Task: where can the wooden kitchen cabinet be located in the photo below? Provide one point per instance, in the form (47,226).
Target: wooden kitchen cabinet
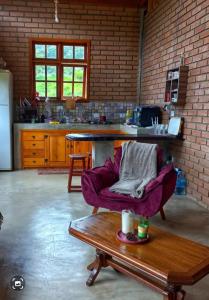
(56,150)
(49,148)
(33,149)
(44,148)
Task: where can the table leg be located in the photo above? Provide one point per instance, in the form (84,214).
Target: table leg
(92,265)
(175,293)
(96,265)
(101,150)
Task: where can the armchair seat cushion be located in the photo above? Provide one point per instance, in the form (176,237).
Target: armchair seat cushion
(96,183)
(147,206)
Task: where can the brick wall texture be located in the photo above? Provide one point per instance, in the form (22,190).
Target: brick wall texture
(113,32)
(176,27)
(173,28)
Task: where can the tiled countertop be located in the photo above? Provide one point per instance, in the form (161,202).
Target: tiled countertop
(74,126)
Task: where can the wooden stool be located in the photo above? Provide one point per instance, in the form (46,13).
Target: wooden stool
(72,172)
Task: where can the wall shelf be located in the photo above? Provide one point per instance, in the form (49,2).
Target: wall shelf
(176,85)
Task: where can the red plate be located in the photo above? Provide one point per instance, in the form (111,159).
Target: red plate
(122,237)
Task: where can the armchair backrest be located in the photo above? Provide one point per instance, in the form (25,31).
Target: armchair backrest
(118,154)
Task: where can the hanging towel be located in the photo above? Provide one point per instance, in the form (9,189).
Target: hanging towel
(137,167)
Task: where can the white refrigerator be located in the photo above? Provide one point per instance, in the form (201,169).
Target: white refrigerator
(6,86)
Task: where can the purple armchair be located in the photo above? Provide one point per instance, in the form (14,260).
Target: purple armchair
(96,182)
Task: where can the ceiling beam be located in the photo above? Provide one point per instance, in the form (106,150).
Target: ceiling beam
(122,3)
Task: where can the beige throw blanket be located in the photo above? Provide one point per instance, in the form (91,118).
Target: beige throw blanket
(137,167)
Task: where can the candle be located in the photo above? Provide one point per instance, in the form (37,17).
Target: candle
(127,221)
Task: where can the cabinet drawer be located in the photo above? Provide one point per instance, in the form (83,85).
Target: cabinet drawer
(33,145)
(33,136)
(33,162)
(33,153)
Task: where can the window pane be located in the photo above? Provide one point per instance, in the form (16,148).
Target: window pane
(68,52)
(51,89)
(40,72)
(40,88)
(79,52)
(39,51)
(68,73)
(67,89)
(78,75)
(51,51)
(78,89)
(51,73)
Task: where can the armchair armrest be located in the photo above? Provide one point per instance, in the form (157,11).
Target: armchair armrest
(164,172)
(94,180)
(100,177)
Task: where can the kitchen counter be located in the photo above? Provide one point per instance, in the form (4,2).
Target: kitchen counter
(125,136)
(17,127)
(71,126)
(103,144)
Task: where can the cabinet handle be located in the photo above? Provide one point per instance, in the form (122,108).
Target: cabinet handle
(45,136)
(34,153)
(33,136)
(34,144)
(46,159)
(34,161)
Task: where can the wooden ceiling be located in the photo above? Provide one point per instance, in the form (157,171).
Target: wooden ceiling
(126,3)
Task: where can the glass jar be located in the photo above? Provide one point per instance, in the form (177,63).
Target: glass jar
(143,227)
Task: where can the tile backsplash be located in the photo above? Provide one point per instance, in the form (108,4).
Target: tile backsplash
(84,112)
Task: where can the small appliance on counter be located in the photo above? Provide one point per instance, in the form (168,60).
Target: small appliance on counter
(145,114)
(29,115)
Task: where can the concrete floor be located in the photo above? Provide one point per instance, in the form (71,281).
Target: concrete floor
(34,242)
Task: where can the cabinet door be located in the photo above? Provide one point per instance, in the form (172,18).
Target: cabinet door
(56,150)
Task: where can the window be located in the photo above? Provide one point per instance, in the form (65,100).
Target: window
(60,69)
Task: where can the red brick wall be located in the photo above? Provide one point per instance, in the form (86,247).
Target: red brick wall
(114,35)
(176,27)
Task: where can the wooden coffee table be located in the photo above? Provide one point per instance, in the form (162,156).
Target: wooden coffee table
(165,263)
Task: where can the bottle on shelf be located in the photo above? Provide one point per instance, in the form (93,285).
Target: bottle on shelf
(136,116)
(42,119)
(129,116)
